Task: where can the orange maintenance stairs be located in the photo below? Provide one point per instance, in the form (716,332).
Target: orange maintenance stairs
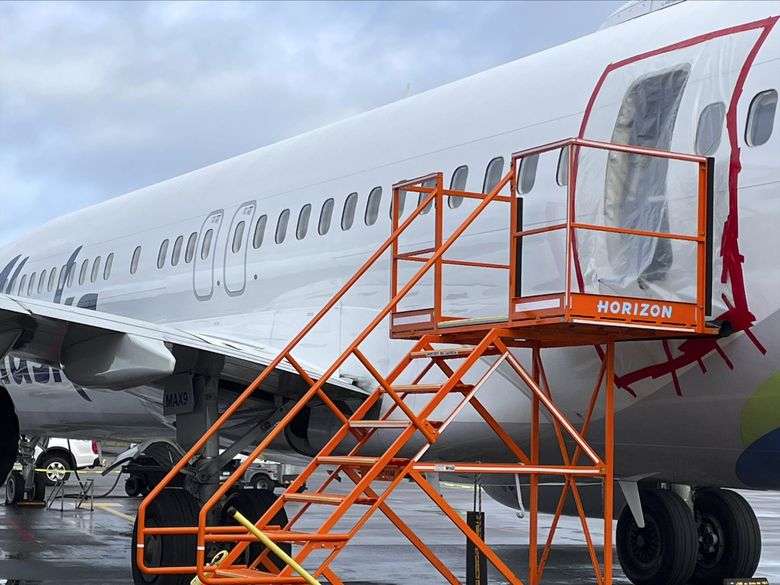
(439,364)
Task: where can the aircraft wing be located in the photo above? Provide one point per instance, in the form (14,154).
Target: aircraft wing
(106,351)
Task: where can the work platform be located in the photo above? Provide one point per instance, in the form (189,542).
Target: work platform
(624,269)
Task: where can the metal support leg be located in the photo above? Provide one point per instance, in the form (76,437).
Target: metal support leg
(533,544)
(193,425)
(209,484)
(609,448)
(26,458)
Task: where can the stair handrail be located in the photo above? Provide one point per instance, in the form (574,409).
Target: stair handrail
(194,451)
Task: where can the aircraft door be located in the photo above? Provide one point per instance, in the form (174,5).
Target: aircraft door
(236,247)
(205,252)
(677,98)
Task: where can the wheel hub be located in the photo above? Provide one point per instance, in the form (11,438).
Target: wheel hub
(644,544)
(55,471)
(710,540)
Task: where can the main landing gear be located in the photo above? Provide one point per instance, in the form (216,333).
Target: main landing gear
(717,539)
(180,505)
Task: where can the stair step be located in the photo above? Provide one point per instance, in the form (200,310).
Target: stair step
(426,388)
(451,353)
(257,574)
(356,461)
(379,424)
(323,498)
(288,536)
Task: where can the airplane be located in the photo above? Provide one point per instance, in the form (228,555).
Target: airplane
(133,310)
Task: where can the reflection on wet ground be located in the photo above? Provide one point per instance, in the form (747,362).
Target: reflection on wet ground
(48,547)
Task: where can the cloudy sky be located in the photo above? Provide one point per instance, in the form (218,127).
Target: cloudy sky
(97,99)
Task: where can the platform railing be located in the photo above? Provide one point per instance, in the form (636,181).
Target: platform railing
(574,302)
(432,185)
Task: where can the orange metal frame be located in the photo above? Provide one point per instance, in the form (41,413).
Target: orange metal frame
(474,341)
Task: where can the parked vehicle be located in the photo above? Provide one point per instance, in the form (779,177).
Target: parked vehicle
(269,475)
(61,456)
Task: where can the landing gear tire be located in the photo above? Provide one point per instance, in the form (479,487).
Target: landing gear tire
(261,481)
(39,487)
(173,507)
(664,551)
(729,537)
(253,504)
(14,488)
(134,486)
(56,467)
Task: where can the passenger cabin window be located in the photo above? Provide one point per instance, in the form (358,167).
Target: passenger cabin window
(162,253)
(372,205)
(107,268)
(31,285)
(493,174)
(430,183)
(326,215)
(528,173)
(562,173)
(176,254)
(205,248)
(257,239)
(71,269)
(401,203)
(134,260)
(281,226)
(761,118)
(22,285)
(42,282)
(192,242)
(52,279)
(348,215)
(95,269)
(458,183)
(635,186)
(238,237)
(710,129)
(83,272)
(303,221)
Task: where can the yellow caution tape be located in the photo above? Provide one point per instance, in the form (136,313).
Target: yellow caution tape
(18,467)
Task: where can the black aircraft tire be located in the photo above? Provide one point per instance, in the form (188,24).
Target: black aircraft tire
(39,488)
(253,504)
(173,507)
(729,537)
(14,488)
(664,551)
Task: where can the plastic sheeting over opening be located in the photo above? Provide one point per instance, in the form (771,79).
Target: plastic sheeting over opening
(655,101)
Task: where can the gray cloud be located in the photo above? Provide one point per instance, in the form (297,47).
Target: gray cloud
(97,99)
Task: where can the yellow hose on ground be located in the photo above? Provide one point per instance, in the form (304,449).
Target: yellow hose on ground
(287,559)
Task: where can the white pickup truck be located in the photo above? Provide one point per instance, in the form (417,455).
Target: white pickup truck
(61,456)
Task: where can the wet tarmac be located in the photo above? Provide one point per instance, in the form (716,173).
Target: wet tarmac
(47,547)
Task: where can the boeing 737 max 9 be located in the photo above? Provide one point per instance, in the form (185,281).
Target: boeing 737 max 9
(114,318)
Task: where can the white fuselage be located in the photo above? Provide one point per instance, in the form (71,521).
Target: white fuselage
(263,295)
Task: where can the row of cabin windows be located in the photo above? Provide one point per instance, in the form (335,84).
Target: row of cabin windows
(709,130)
(47,280)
